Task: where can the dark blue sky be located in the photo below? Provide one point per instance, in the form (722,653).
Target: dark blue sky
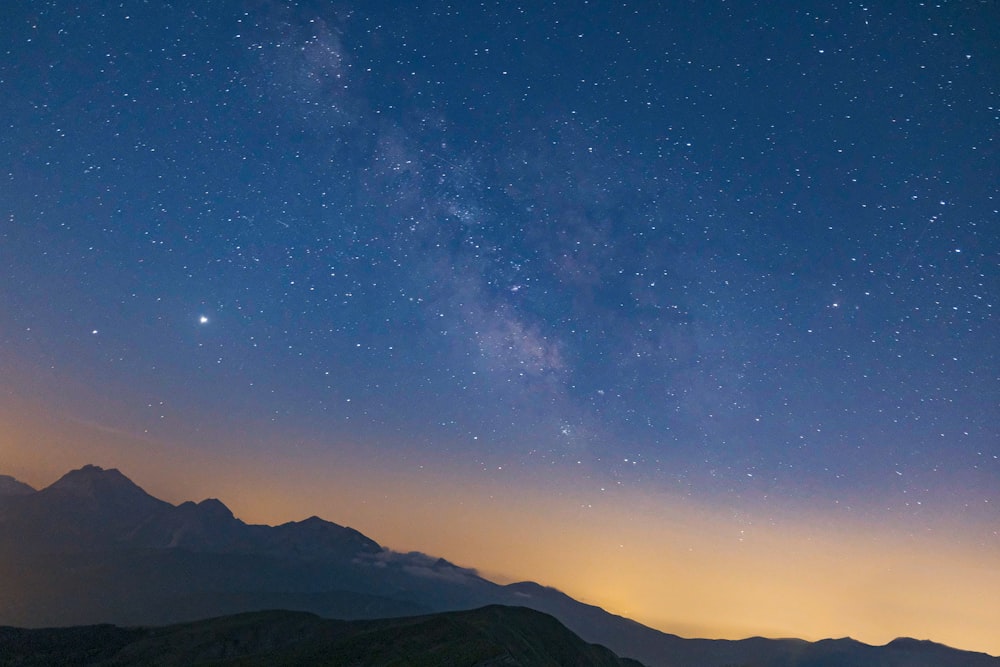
(732,250)
(718,238)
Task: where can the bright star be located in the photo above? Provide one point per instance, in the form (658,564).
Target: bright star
(203,320)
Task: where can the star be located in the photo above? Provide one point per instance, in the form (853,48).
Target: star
(202,320)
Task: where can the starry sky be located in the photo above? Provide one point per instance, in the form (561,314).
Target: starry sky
(687,308)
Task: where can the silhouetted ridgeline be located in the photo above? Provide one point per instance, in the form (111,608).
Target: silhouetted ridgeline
(488,636)
(95,548)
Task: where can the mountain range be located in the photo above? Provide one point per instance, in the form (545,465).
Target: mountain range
(94,548)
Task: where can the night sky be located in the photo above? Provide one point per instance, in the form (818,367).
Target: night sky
(687,308)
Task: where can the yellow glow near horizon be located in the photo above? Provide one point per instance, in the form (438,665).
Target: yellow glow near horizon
(666,561)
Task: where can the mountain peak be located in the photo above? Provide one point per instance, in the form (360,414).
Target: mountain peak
(90,477)
(96,486)
(911,644)
(319,536)
(215,508)
(209,508)
(12,487)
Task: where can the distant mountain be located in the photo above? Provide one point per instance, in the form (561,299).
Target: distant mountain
(493,635)
(11,487)
(95,548)
(96,509)
(85,509)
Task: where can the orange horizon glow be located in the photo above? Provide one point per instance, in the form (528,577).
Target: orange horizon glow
(667,561)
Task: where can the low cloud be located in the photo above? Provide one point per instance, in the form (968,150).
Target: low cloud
(420,565)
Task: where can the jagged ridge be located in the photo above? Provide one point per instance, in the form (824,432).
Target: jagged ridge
(94,547)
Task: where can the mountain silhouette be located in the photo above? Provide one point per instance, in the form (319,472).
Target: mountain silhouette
(94,548)
(492,635)
(11,487)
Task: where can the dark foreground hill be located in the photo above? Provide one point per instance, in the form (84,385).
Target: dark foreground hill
(492,635)
(95,548)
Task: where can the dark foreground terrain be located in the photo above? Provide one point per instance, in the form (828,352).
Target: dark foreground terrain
(493,635)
